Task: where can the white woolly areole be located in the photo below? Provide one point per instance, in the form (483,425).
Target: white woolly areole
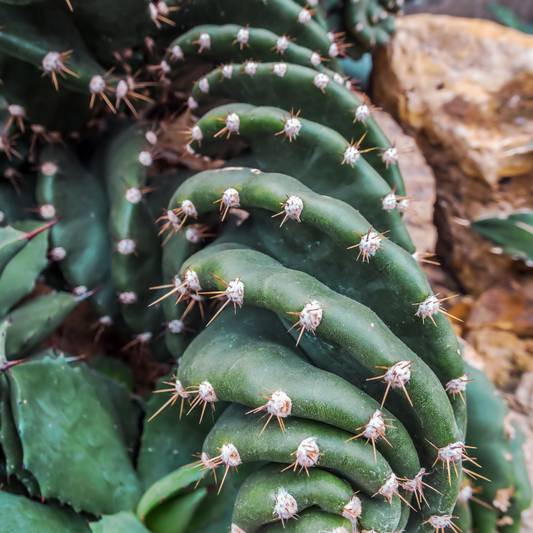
(165,67)
(2,216)
(80,290)
(389,202)
(304,16)
(292,127)
(230,455)
(52,62)
(58,253)
(352,510)
(362,113)
(106,320)
(340,529)
(173,218)
(348,85)
(389,487)
(204,40)
(415,484)
(351,155)
(206,461)
(192,103)
(236,529)
(177,52)
(162,8)
(47,211)
(333,50)
(242,36)
(429,307)
(440,522)
(193,235)
(233,122)
(280,69)
(231,198)
(321,80)
(250,67)
(203,85)
(153,11)
(127,298)
(235,291)
(207,392)
(457,385)
(293,207)
(192,281)
(122,89)
(369,244)
(390,156)
(308,453)
(311,316)
(359,27)
(286,506)
(48,169)
(175,326)
(133,195)
(398,375)
(196,133)
(331,36)
(312,2)
(375,427)
(15,110)
(338,78)
(227,71)
(144,337)
(282,44)
(452,452)
(145,158)
(315,59)
(126,246)
(403,205)
(97,84)
(279,404)
(190,149)
(151,137)
(465,494)
(188,208)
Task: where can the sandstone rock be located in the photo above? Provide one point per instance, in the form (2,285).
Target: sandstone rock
(462,88)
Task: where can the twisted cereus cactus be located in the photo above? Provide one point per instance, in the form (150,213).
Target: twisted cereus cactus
(337,393)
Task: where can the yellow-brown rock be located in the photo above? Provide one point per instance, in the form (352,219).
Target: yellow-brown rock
(462,88)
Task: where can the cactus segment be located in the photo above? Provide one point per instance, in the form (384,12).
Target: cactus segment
(513,233)
(278,16)
(315,154)
(58,35)
(314,521)
(342,224)
(225,48)
(81,204)
(335,107)
(350,458)
(34,321)
(369,23)
(211,358)
(486,431)
(11,241)
(136,259)
(122,522)
(166,488)
(345,322)
(19,275)
(175,514)
(22,514)
(11,446)
(83,444)
(271,495)
(168,442)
